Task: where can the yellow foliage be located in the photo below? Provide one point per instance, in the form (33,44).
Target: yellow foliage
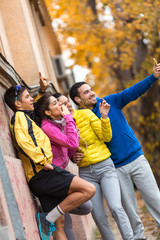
(110,33)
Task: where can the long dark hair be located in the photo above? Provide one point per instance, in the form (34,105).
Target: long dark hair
(40,107)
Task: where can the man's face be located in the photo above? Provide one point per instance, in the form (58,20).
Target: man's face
(26,102)
(87,97)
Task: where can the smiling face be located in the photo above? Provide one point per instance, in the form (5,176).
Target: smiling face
(87,98)
(65,101)
(25,103)
(54,110)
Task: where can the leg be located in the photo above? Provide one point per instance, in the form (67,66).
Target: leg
(146,184)
(68,227)
(59,233)
(70,190)
(57,186)
(129,200)
(79,192)
(98,212)
(110,187)
(83,209)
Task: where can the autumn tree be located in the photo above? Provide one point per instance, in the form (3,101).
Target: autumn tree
(116,40)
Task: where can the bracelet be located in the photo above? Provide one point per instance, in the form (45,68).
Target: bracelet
(41,91)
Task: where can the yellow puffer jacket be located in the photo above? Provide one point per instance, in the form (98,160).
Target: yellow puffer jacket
(93,133)
(32,144)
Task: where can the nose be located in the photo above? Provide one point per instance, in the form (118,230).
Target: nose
(91,92)
(69,104)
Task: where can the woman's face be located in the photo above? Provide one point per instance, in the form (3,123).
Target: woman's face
(54,109)
(65,101)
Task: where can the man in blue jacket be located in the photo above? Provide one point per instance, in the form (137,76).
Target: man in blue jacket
(131,165)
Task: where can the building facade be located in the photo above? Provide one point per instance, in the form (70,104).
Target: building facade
(28,46)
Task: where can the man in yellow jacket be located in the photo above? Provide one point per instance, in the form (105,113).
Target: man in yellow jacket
(58,190)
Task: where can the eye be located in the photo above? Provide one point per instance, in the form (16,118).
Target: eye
(86,92)
(54,103)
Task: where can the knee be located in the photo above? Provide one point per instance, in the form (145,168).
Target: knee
(85,208)
(116,209)
(90,190)
(100,217)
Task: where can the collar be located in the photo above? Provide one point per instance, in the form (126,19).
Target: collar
(28,113)
(62,121)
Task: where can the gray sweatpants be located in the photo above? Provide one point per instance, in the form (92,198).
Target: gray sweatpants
(83,209)
(104,177)
(139,173)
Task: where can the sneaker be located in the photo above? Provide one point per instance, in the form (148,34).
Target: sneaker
(46,229)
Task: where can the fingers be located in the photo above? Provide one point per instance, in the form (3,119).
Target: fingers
(64,110)
(156,65)
(43,79)
(155,61)
(105,104)
(77,157)
(48,166)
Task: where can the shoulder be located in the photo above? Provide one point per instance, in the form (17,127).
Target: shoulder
(82,112)
(46,123)
(19,116)
(20,119)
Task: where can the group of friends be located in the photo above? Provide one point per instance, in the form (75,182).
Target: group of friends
(47,133)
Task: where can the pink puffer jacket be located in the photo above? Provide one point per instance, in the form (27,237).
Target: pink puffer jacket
(64,139)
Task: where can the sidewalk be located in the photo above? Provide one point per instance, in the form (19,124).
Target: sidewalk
(150,226)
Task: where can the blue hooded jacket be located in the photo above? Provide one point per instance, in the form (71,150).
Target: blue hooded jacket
(124,145)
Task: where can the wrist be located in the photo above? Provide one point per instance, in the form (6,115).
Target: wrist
(41,91)
(104,116)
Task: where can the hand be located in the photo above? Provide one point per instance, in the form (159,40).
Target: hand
(48,167)
(156,69)
(104,109)
(77,157)
(44,82)
(64,110)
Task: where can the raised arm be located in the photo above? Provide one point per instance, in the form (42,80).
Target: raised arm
(130,94)
(102,127)
(43,82)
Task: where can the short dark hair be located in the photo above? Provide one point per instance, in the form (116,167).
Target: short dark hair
(12,94)
(40,107)
(73,92)
(57,95)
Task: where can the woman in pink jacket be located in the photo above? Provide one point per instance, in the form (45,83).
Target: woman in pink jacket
(57,123)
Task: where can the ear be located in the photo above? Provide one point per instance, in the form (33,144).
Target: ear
(48,112)
(77,99)
(18,104)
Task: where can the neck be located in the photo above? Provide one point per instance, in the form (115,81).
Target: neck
(23,110)
(86,107)
(56,118)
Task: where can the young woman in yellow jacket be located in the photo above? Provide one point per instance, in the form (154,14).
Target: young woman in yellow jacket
(97,167)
